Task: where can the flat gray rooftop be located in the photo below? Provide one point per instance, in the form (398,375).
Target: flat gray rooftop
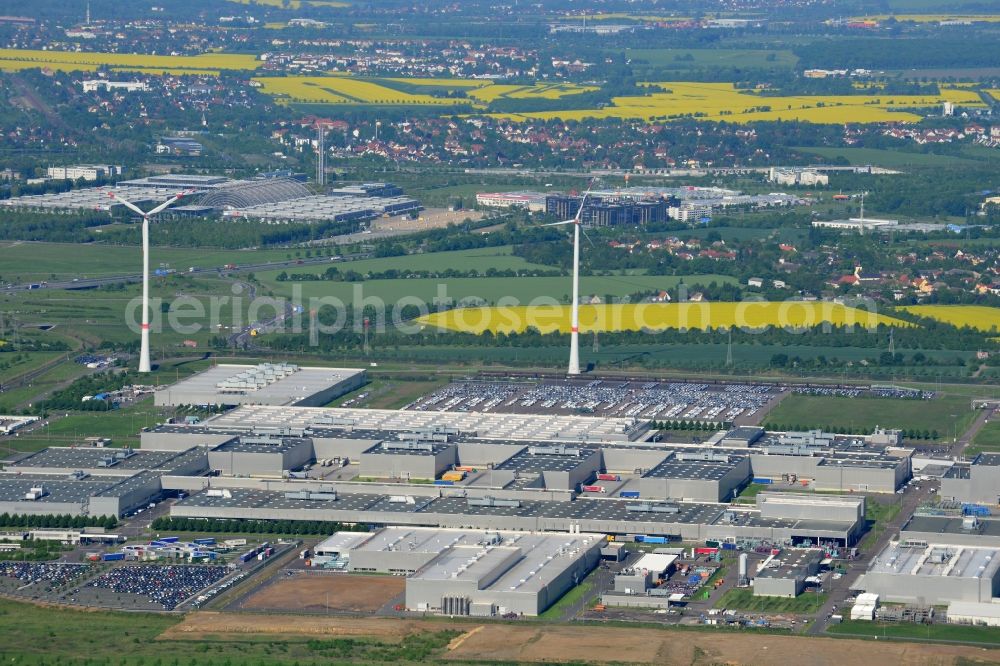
(525,462)
(689,469)
(90,458)
(945,525)
(264,384)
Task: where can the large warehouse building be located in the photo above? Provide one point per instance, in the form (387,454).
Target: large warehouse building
(264,384)
(933,573)
(471,572)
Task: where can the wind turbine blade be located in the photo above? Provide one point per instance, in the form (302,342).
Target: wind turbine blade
(586,235)
(163,205)
(128,204)
(557,224)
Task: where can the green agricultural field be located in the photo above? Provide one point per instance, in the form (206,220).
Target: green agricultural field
(653,60)
(98,315)
(16,364)
(480,259)
(49,635)
(489,289)
(27,262)
(16,399)
(122,426)
(906,630)
(987,439)
(885,158)
(946,414)
(743,599)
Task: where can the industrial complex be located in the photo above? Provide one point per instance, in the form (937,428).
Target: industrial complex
(499,506)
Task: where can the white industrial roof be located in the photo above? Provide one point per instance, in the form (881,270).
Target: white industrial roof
(972,609)
(270,384)
(655,562)
(484,425)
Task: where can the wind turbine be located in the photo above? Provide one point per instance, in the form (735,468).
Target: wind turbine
(574,330)
(144,364)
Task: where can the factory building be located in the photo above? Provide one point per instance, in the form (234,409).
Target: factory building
(977,482)
(933,573)
(472,572)
(78,494)
(95,482)
(954,529)
(408,459)
(705,476)
(786,574)
(264,384)
(585,430)
(425,505)
(260,455)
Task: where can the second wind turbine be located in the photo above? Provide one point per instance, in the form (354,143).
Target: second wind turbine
(574,330)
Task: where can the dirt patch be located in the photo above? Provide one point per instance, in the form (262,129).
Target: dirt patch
(531,642)
(430,218)
(591,644)
(205,623)
(321,592)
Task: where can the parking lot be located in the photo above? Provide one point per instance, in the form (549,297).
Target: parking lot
(723,402)
(149,587)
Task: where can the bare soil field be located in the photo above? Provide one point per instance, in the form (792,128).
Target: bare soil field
(568,644)
(321,592)
(430,218)
(588,644)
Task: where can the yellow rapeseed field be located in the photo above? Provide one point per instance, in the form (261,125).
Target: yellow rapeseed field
(343,90)
(980,317)
(724,102)
(16,59)
(655,316)
(492,92)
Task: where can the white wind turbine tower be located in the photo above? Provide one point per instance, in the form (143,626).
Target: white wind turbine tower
(144,364)
(574,331)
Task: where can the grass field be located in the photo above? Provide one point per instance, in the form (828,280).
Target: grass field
(206,63)
(933,632)
(722,101)
(987,439)
(28,262)
(476,290)
(659,59)
(931,18)
(653,316)
(947,414)
(743,599)
(885,158)
(979,317)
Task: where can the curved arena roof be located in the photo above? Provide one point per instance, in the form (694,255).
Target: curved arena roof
(244,194)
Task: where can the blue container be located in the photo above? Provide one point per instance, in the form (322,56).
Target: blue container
(441,482)
(113,557)
(169,539)
(654,539)
(763,481)
(729,546)
(629,493)
(694,579)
